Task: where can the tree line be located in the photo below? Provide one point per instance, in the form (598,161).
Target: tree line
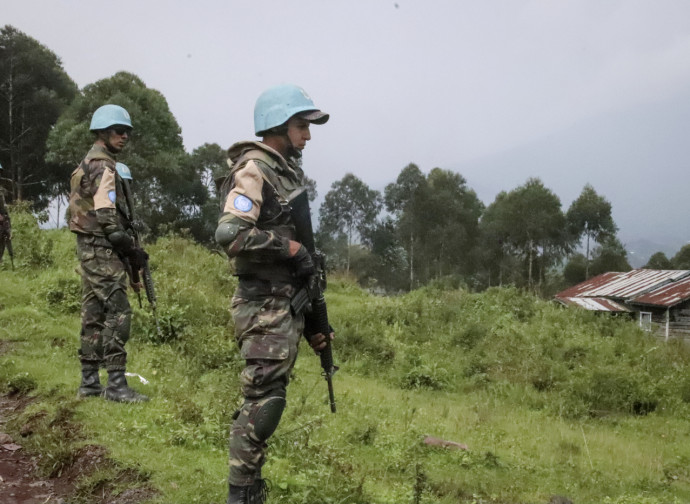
(423,227)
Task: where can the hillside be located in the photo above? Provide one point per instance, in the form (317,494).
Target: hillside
(549,402)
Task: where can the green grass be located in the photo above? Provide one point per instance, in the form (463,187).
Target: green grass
(549,401)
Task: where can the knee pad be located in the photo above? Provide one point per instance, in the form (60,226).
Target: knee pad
(267,416)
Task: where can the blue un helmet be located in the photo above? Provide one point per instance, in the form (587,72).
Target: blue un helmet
(109,115)
(123,170)
(279,103)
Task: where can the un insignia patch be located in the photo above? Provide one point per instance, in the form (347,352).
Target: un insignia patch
(242,203)
(112,196)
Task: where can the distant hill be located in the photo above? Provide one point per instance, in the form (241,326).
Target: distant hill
(641,249)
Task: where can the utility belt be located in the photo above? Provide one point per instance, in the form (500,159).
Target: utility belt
(256,287)
(279,272)
(93,240)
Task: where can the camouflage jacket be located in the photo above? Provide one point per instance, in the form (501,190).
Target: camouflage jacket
(254,197)
(97,204)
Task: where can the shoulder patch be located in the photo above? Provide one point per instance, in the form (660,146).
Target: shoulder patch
(112,196)
(242,203)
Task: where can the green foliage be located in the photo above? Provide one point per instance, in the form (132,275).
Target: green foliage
(549,401)
(350,208)
(32,248)
(168,190)
(527,223)
(590,216)
(610,256)
(682,258)
(34,91)
(576,269)
(659,260)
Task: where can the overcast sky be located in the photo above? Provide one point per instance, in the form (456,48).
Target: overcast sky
(570,91)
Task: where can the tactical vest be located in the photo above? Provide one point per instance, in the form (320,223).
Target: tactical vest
(280,181)
(82,211)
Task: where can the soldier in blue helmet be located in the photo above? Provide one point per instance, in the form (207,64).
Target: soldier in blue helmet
(98,216)
(255,229)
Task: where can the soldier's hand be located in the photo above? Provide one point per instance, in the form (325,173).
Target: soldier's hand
(137,258)
(318,342)
(304,266)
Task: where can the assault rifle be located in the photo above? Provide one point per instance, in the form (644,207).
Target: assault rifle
(309,299)
(148,279)
(6,230)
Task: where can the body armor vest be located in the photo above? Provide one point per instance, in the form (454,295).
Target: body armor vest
(82,213)
(280,181)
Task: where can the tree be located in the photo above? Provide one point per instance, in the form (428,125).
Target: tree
(34,90)
(575,269)
(401,199)
(168,188)
(590,215)
(659,261)
(528,223)
(390,263)
(350,207)
(209,161)
(610,255)
(437,220)
(448,219)
(682,258)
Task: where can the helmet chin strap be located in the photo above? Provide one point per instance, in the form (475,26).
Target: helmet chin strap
(292,152)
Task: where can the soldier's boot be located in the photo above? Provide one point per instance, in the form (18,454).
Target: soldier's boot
(118,391)
(252,494)
(90,382)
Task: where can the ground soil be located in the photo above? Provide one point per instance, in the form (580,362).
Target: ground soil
(20,480)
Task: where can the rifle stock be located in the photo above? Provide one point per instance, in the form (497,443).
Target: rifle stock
(310,298)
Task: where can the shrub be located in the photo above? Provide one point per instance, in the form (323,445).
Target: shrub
(32,248)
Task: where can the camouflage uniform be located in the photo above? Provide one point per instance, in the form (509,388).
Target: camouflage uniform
(97,202)
(5,226)
(254,198)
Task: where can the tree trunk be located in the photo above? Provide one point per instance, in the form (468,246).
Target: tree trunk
(587,260)
(411,260)
(529,274)
(349,243)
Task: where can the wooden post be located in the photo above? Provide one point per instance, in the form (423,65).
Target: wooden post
(668,321)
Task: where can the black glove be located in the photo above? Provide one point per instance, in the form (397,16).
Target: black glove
(137,258)
(303,264)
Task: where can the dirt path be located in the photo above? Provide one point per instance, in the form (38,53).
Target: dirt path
(18,481)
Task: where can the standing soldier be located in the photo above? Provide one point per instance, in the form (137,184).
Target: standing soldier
(5,225)
(255,228)
(98,216)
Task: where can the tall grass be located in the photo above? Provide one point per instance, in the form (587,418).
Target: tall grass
(549,401)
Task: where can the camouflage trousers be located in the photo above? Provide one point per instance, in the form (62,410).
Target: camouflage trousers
(268,334)
(105,311)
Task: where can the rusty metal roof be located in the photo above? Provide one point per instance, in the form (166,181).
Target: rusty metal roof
(640,286)
(595,304)
(667,295)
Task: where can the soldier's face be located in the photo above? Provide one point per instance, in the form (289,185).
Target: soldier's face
(298,132)
(118,136)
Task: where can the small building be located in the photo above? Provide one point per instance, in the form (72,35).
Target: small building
(658,299)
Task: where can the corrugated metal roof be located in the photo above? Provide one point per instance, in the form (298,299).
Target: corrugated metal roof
(641,286)
(624,285)
(595,304)
(588,287)
(667,295)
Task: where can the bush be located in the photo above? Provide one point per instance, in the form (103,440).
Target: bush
(32,248)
